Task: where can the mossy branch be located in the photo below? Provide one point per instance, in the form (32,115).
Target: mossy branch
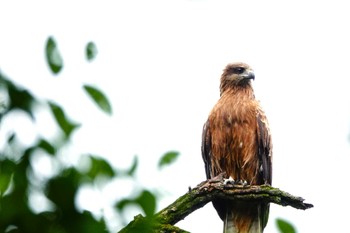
(207,191)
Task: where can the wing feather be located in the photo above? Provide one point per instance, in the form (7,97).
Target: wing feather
(206,149)
(264,149)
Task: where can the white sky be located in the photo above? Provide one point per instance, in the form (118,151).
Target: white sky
(159,62)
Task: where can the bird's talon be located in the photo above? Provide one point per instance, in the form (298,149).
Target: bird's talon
(242,182)
(229,181)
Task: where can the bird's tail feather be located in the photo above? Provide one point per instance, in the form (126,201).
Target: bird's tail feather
(236,223)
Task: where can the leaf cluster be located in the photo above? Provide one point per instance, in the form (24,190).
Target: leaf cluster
(21,182)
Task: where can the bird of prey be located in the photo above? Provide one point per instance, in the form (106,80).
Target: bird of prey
(236,140)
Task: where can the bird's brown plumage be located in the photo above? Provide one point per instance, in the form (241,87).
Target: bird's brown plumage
(236,140)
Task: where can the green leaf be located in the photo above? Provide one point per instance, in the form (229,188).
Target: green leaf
(65,124)
(123,203)
(46,146)
(147,202)
(133,167)
(88,223)
(62,189)
(53,56)
(99,98)
(284,226)
(21,99)
(168,158)
(4,97)
(91,51)
(11,138)
(7,168)
(16,98)
(99,166)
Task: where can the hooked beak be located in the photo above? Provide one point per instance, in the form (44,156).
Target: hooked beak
(249,74)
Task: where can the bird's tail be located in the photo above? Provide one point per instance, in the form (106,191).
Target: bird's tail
(244,220)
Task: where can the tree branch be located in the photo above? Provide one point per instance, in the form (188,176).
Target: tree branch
(217,188)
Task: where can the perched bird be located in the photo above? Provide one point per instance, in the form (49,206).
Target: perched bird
(236,140)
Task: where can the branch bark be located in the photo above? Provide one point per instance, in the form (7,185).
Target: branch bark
(207,191)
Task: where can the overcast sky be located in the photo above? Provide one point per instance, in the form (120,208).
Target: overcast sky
(159,63)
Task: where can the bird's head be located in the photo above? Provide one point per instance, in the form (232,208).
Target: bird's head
(236,75)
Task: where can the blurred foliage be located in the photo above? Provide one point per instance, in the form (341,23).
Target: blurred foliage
(146,200)
(284,226)
(100,167)
(168,158)
(131,171)
(53,56)
(99,98)
(65,124)
(20,178)
(14,98)
(90,51)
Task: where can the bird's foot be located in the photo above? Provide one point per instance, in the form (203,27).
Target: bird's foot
(217,179)
(229,181)
(242,182)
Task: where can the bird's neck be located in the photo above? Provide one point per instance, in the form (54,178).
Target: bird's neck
(245,92)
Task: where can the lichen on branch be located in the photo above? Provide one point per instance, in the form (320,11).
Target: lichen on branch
(205,192)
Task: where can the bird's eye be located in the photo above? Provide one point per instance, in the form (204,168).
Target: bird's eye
(238,70)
